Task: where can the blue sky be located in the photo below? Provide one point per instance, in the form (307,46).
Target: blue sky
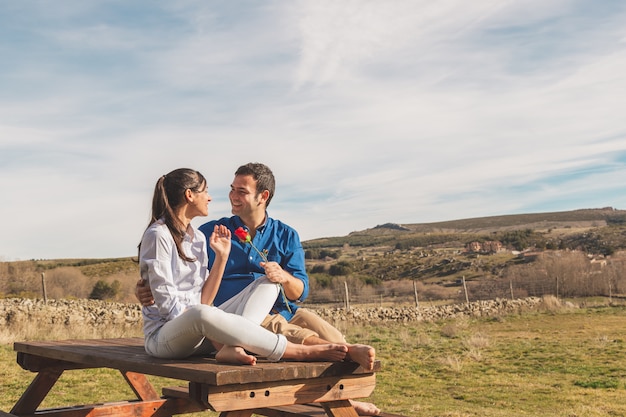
(368,112)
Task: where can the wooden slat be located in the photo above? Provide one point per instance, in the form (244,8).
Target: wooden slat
(37,363)
(176,392)
(298,410)
(264,396)
(303,410)
(156,408)
(339,409)
(237,413)
(258,395)
(140,385)
(335,409)
(129,355)
(36,391)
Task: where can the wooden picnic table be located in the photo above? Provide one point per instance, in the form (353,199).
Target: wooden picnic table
(268,388)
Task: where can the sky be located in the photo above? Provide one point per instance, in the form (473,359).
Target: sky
(368,112)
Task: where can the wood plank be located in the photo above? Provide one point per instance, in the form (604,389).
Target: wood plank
(156,408)
(176,392)
(303,410)
(259,395)
(344,388)
(140,385)
(36,391)
(298,410)
(128,354)
(339,409)
(237,413)
(37,363)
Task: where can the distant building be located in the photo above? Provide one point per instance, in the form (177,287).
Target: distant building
(474,247)
(490,246)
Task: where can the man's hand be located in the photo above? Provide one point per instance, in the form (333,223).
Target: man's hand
(274,272)
(143,293)
(292,286)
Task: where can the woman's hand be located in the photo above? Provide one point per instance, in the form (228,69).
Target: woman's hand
(220,240)
(143,293)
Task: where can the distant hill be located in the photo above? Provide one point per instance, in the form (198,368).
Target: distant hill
(573,218)
(567,222)
(525,254)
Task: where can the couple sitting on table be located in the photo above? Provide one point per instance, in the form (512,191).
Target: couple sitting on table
(203,292)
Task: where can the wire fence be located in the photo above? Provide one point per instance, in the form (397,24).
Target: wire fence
(343,293)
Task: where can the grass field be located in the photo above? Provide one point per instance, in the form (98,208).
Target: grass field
(561,363)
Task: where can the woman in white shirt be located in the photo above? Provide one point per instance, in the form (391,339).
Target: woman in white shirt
(173,260)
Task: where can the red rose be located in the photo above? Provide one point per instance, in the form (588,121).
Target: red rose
(242,234)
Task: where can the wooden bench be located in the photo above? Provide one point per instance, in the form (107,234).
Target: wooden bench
(266,389)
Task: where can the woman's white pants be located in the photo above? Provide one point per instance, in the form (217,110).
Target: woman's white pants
(236,322)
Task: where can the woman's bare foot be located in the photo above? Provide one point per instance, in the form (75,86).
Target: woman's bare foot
(365,409)
(327,352)
(364,355)
(235,354)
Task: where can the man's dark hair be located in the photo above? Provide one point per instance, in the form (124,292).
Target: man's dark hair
(263,176)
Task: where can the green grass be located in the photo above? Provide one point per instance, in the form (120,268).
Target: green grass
(568,363)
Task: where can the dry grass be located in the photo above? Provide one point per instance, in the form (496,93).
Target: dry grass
(38,331)
(557,363)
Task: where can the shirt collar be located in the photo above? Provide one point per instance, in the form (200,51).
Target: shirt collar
(260,229)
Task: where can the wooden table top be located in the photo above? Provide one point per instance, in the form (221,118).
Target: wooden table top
(128,354)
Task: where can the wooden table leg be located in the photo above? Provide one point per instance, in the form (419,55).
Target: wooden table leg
(36,391)
(342,408)
(141,386)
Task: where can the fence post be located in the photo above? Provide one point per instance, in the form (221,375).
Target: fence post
(345,284)
(511,287)
(465,289)
(43,288)
(417,303)
(557,286)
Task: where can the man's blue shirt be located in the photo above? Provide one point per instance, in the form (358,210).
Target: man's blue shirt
(283,246)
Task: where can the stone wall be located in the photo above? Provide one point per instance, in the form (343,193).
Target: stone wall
(99,313)
(68,312)
(489,308)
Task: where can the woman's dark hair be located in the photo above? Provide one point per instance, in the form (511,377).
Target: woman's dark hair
(169,193)
(263,176)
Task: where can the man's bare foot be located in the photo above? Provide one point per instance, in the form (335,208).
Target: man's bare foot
(364,355)
(365,409)
(235,354)
(327,352)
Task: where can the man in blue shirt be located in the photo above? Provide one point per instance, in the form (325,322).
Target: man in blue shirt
(251,192)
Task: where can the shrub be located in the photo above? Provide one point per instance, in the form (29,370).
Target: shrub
(317,269)
(340,268)
(105,291)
